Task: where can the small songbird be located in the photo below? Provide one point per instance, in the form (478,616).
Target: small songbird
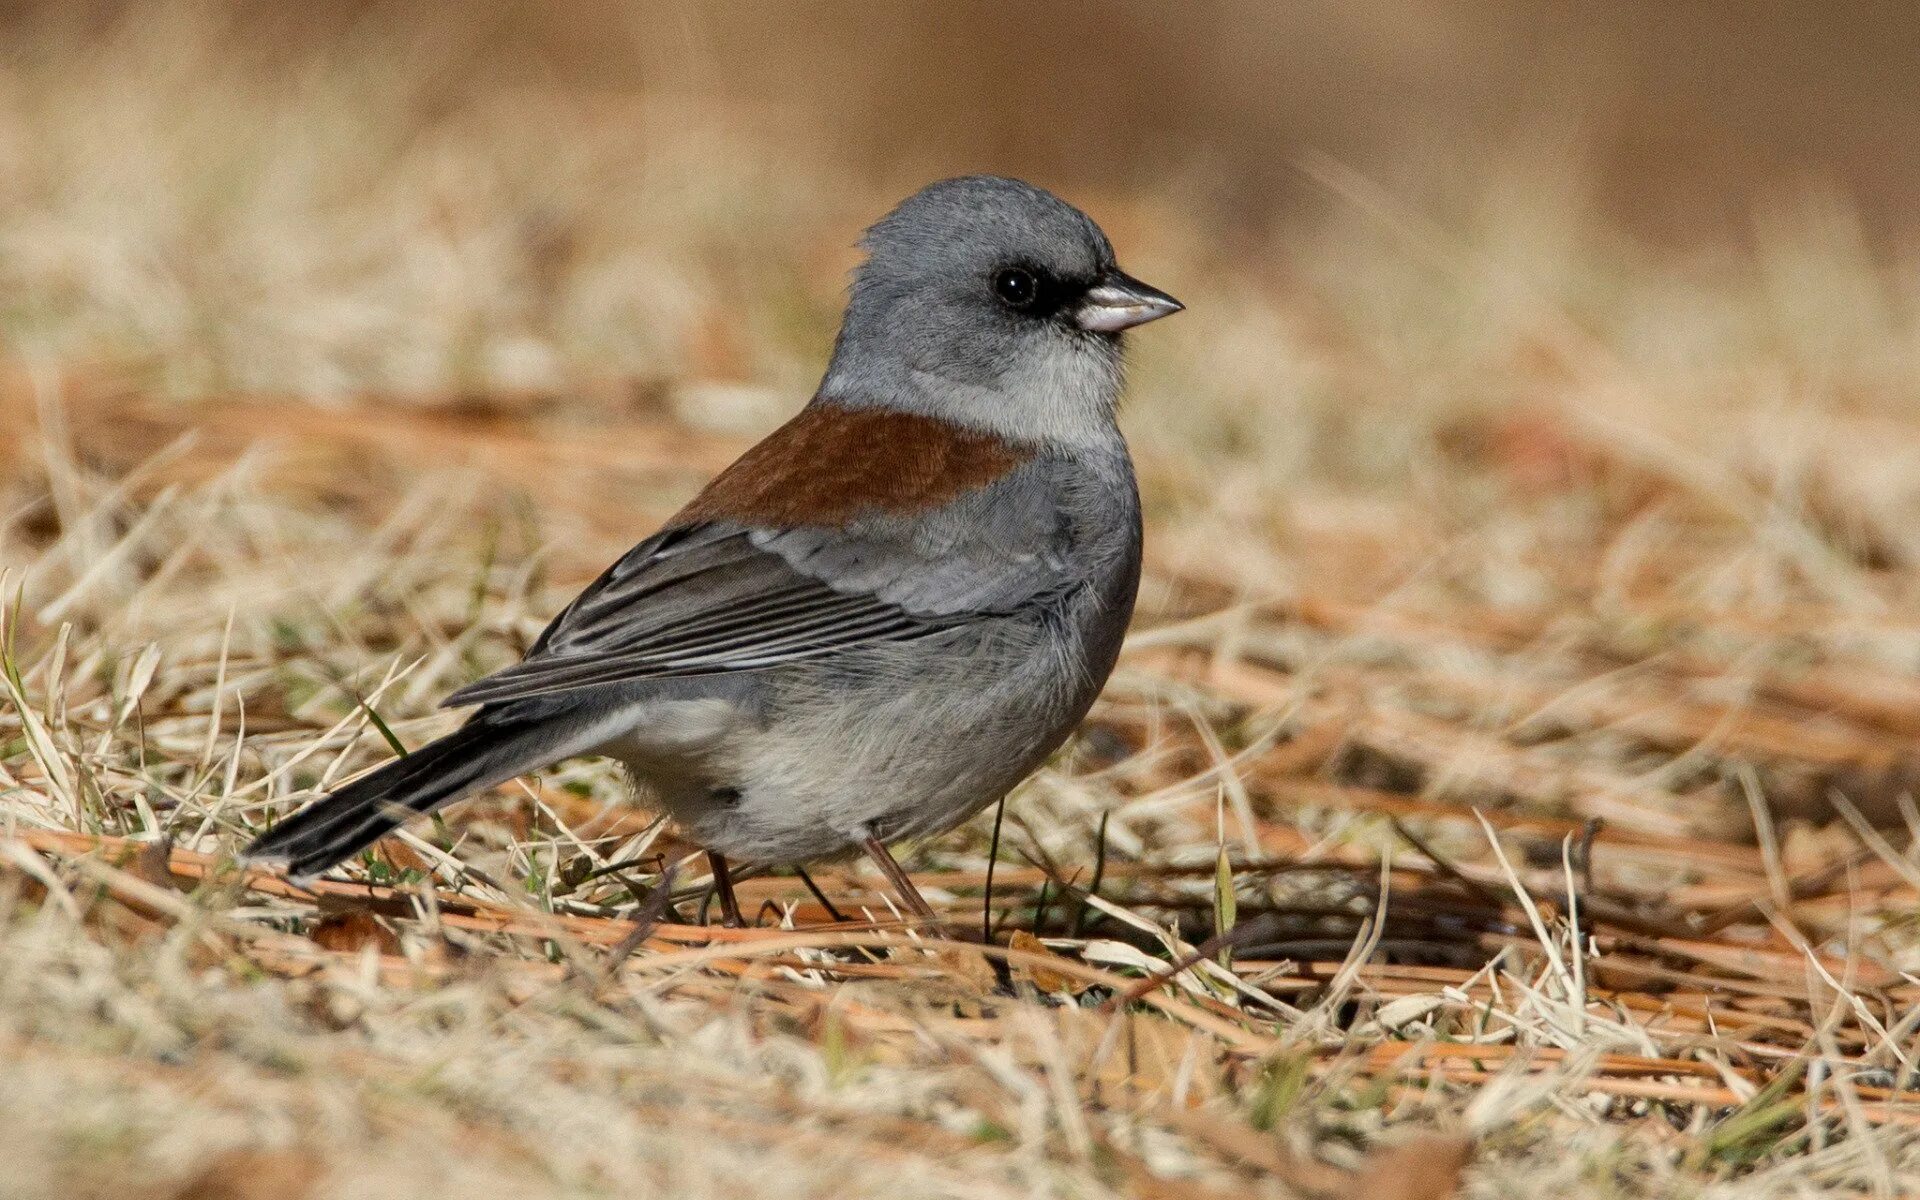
(879,619)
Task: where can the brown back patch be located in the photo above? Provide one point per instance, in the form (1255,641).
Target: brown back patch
(830,464)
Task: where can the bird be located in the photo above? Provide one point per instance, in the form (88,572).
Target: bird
(880,618)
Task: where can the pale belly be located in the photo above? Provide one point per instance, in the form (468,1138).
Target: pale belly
(899,741)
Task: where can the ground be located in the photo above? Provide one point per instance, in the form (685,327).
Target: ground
(1514,745)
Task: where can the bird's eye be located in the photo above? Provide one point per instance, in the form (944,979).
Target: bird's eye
(1016,287)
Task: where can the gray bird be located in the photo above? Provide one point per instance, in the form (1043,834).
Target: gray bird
(883,616)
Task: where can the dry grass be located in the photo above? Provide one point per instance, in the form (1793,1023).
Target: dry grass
(1526,677)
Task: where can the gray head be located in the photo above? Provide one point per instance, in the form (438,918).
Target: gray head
(995,304)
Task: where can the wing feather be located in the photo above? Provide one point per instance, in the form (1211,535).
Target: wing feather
(671,609)
(716,593)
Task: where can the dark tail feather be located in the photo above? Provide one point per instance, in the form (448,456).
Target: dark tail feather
(479,755)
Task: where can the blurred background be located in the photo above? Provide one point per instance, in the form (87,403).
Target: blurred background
(1678,104)
(415,198)
(160,128)
(1679,112)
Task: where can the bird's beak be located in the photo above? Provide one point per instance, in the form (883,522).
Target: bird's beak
(1119,301)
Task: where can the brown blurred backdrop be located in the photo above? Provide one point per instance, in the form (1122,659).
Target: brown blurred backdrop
(1680,111)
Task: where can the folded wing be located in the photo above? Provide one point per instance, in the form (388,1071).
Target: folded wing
(696,602)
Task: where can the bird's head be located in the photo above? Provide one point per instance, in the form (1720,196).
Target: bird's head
(995,304)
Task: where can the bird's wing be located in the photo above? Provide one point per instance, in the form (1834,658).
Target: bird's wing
(730,587)
(699,601)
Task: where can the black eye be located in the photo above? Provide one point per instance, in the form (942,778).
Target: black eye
(1016,287)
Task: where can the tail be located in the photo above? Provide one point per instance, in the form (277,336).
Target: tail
(488,750)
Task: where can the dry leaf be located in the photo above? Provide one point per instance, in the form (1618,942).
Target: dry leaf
(350,931)
(1426,1168)
(1044,980)
(254,1175)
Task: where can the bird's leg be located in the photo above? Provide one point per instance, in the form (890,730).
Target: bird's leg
(877,850)
(723,884)
(833,913)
